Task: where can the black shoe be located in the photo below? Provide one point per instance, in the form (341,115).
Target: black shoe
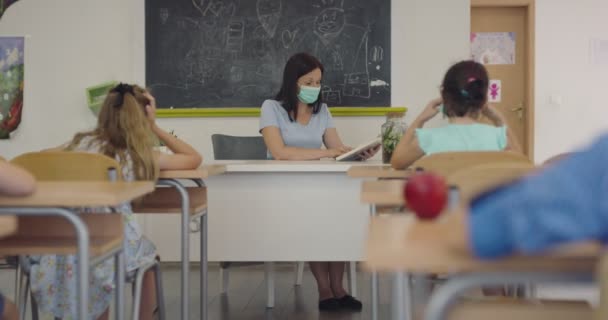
(350,303)
(330,304)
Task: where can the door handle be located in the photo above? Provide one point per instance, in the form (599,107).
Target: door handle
(519,108)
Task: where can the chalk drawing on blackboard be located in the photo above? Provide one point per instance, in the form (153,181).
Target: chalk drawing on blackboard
(236,74)
(235,36)
(377,54)
(204,53)
(337,63)
(288,37)
(331,96)
(357,85)
(264,70)
(199,6)
(329,24)
(333,3)
(164,15)
(269,15)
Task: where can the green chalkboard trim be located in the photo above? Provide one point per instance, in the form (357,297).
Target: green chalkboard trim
(255,112)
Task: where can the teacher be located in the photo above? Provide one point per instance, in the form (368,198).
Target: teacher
(295,126)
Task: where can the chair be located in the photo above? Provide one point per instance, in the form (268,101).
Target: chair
(246,148)
(238,148)
(84,166)
(448,162)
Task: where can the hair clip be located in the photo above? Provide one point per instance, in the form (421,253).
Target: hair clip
(122,89)
(471,79)
(464,93)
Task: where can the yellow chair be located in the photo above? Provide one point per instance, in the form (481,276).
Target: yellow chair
(84,166)
(67,166)
(449,162)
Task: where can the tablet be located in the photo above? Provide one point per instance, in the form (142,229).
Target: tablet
(355,154)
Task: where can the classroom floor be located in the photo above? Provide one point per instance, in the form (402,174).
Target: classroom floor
(246,298)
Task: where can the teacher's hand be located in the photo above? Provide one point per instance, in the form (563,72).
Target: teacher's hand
(369,152)
(334,153)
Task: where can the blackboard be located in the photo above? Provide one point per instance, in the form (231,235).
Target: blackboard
(231,53)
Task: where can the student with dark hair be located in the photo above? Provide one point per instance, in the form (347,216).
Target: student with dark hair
(296,125)
(464,98)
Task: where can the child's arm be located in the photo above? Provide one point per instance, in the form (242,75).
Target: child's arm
(408,150)
(499,120)
(15,181)
(184,156)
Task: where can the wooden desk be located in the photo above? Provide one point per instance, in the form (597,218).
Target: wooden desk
(191,203)
(386,192)
(80,194)
(383,171)
(54,235)
(55,199)
(391,248)
(8,225)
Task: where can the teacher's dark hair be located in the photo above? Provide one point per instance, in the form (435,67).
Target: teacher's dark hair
(297,66)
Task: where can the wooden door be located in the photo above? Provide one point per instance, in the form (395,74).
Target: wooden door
(515,89)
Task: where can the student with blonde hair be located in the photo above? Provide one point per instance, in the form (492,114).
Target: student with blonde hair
(126,131)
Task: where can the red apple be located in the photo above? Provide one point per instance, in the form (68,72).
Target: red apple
(426,194)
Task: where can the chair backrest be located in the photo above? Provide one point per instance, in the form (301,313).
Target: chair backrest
(475,180)
(68,165)
(238,148)
(449,162)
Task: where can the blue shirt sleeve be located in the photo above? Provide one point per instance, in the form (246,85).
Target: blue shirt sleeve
(565,202)
(269,116)
(329,121)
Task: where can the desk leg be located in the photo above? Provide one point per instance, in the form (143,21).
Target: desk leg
(374,276)
(204,280)
(119,264)
(444,297)
(82,253)
(185,222)
(204,259)
(398,297)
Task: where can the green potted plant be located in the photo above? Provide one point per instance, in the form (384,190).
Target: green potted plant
(392,131)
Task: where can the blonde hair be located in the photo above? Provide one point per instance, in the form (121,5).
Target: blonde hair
(123,131)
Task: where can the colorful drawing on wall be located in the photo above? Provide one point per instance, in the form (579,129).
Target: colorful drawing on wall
(493,47)
(4,4)
(11,84)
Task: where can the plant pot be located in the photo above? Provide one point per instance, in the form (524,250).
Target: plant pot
(386,156)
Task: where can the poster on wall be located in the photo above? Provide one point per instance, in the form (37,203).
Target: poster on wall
(11,84)
(493,48)
(4,4)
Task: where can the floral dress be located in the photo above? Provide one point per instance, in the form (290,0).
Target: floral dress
(53,277)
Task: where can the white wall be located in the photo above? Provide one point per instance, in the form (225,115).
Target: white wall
(78,43)
(564,29)
(73,44)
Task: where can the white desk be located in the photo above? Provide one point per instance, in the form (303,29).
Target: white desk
(276,211)
(286,211)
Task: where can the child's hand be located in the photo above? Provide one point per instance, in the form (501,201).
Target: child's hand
(151,108)
(431,110)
